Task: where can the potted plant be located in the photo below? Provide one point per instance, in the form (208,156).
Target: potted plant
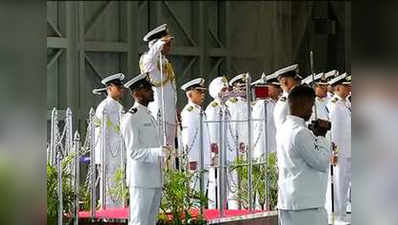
(259,172)
(179,198)
(52,193)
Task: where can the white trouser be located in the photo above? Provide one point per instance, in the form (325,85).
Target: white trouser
(328,202)
(144,205)
(232,190)
(316,216)
(170,133)
(210,186)
(343,179)
(211,191)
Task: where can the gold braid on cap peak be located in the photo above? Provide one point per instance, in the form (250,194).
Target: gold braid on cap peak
(169,72)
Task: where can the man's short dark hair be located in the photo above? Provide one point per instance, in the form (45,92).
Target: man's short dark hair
(301,92)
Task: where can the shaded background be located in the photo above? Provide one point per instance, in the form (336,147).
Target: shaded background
(87,41)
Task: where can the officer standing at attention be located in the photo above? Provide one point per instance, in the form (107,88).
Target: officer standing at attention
(329,76)
(259,144)
(321,88)
(239,132)
(145,153)
(159,43)
(217,111)
(288,78)
(191,133)
(340,116)
(113,152)
(303,162)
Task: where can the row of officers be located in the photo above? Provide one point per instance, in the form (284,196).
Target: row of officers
(150,128)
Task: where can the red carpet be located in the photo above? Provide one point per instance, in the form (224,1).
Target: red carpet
(123,213)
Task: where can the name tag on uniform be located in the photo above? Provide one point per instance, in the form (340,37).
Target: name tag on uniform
(147,124)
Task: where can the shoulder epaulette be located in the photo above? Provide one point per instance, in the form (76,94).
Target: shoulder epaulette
(190,108)
(233,99)
(283,99)
(133,110)
(334,100)
(214,104)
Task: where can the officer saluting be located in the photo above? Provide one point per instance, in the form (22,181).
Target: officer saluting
(340,116)
(159,43)
(141,136)
(303,162)
(113,153)
(288,78)
(191,134)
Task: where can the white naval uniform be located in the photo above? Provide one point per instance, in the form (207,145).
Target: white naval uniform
(213,114)
(321,109)
(303,162)
(323,113)
(329,96)
(281,110)
(213,111)
(150,63)
(113,143)
(340,116)
(258,138)
(190,120)
(238,108)
(140,132)
(259,142)
(239,111)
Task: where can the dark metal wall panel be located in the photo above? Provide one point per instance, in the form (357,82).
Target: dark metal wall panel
(92,39)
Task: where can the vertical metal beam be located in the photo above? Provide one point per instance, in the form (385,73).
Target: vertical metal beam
(347,37)
(76,145)
(72,77)
(132,30)
(82,61)
(203,33)
(227,26)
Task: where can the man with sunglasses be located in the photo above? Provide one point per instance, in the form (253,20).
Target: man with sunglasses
(108,114)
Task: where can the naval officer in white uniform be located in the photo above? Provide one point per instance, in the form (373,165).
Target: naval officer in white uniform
(145,154)
(321,88)
(110,107)
(193,136)
(340,116)
(159,43)
(239,110)
(303,162)
(218,111)
(258,138)
(288,78)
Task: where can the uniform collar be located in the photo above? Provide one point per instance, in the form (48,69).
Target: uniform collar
(340,98)
(139,106)
(194,105)
(296,119)
(111,99)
